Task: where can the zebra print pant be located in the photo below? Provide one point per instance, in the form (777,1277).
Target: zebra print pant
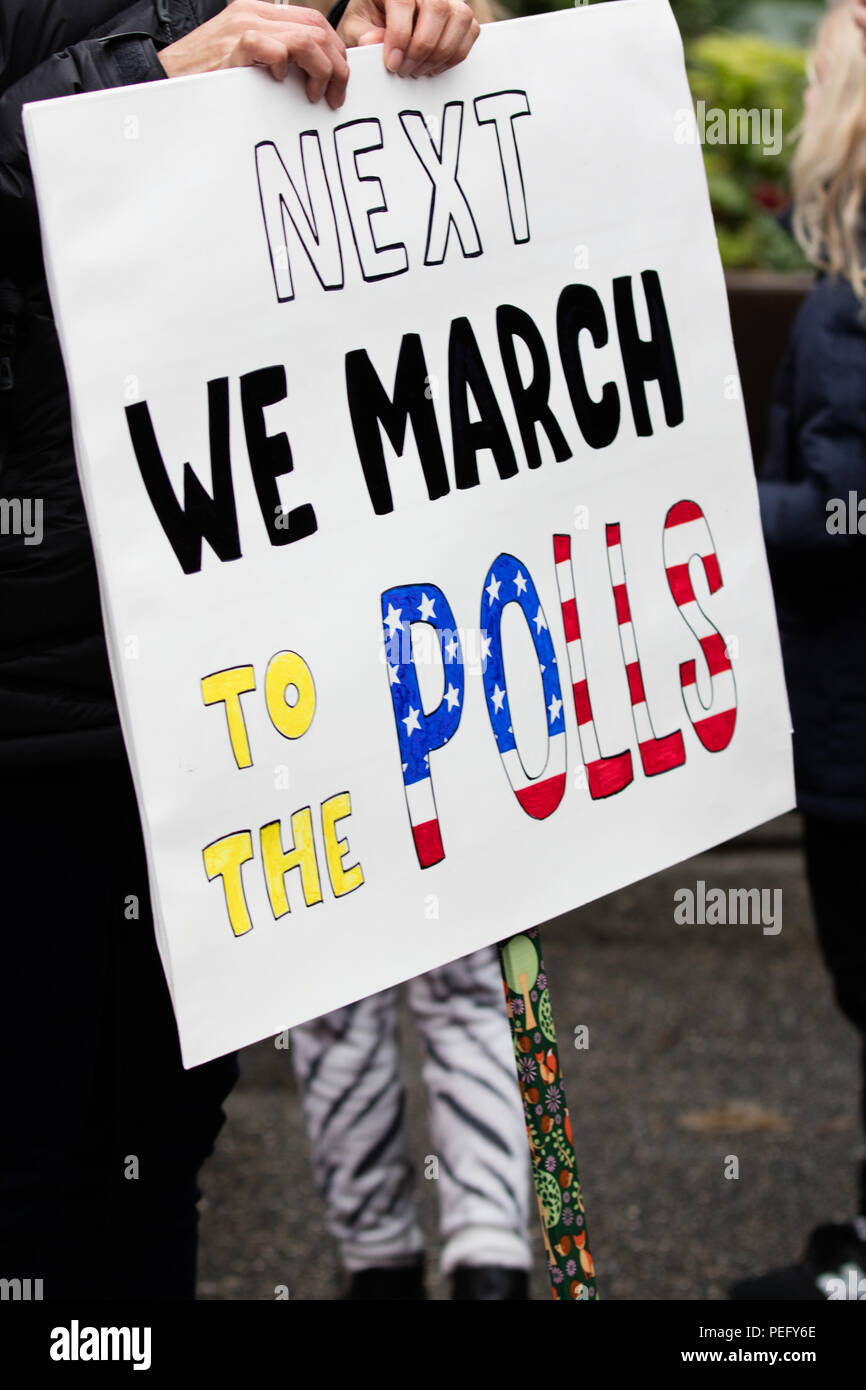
(348,1069)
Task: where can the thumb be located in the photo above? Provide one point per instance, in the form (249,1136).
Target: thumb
(371,36)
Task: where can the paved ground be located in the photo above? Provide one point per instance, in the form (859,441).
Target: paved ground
(705,1042)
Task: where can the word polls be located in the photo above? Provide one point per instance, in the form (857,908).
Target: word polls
(224,858)
(421,733)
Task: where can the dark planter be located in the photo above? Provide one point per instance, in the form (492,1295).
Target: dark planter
(763,305)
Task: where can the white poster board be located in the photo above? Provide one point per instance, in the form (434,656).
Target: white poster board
(457,356)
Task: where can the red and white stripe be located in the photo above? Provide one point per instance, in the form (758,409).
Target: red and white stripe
(604,775)
(424,820)
(687,535)
(540,795)
(656,754)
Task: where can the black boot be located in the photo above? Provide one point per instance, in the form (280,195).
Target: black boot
(833,1267)
(491,1283)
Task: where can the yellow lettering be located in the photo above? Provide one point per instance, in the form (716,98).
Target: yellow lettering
(288,671)
(223,859)
(278,862)
(342,880)
(227,687)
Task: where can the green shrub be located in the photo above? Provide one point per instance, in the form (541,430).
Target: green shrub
(732,70)
(748,187)
(785,20)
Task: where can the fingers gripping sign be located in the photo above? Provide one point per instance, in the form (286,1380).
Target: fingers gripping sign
(252,33)
(419,37)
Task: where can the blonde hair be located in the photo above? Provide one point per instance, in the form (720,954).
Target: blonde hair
(829,168)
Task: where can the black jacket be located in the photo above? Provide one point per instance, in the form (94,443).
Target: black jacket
(816,455)
(56,698)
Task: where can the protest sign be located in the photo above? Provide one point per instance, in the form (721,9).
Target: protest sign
(414,457)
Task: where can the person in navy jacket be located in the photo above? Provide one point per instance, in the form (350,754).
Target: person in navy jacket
(813,507)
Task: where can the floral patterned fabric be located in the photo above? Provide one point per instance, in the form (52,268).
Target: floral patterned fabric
(554,1165)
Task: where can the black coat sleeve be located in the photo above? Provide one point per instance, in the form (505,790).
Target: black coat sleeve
(122,49)
(31,30)
(828,434)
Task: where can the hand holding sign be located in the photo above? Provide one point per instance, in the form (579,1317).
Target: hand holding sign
(250,33)
(421,37)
